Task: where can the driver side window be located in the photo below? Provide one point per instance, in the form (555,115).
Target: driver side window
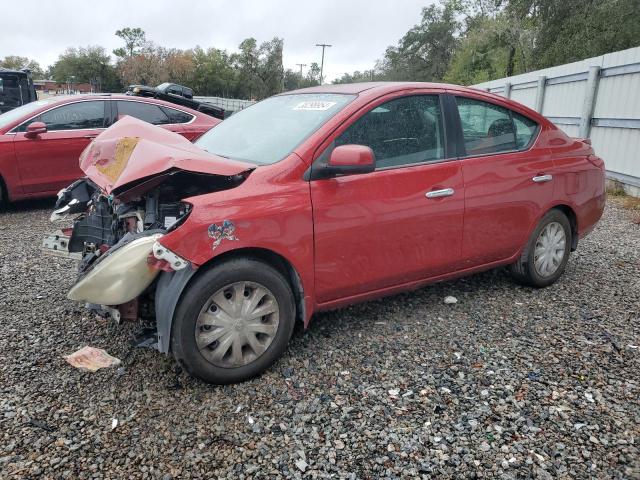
(403,131)
(74,116)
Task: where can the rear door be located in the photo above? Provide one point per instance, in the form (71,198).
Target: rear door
(400,223)
(50,161)
(190,129)
(508,179)
(148,112)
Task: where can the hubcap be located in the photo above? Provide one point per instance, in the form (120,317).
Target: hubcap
(549,250)
(237,324)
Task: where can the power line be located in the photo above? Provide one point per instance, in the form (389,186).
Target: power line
(301,65)
(323,45)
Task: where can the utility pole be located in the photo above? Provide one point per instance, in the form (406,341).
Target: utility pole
(301,65)
(323,45)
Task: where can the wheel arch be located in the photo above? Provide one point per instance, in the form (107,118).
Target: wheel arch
(171,287)
(273,259)
(573,222)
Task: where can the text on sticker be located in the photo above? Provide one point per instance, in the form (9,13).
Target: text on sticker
(314,105)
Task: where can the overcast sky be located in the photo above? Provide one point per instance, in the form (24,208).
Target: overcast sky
(359,30)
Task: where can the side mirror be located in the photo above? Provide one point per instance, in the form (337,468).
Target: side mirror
(34,129)
(349,160)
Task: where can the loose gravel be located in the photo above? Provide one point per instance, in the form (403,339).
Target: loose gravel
(507,382)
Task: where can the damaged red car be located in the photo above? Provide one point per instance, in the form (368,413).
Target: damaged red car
(316,199)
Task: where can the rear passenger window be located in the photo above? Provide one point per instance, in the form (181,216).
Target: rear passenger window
(144,111)
(176,116)
(525,130)
(400,132)
(487,128)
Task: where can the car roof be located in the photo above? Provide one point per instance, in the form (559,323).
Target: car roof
(378,87)
(10,70)
(62,99)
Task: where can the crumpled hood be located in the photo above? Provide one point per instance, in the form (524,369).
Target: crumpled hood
(131,150)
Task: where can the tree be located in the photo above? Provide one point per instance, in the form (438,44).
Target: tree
(15,62)
(89,64)
(425,51)
(213,73)
(134,39)
(571,30)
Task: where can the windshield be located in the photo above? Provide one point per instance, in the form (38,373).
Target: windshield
(17,113)
(268,131)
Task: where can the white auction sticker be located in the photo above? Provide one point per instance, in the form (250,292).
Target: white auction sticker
(314,105)
(168,221)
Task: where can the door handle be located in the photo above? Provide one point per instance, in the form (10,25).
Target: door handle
(445,192)
(542,178)
(91,136)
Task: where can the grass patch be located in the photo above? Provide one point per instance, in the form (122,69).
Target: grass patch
(617,193)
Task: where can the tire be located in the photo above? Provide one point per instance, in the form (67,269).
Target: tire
(526,271)
(3,196)
(260,341)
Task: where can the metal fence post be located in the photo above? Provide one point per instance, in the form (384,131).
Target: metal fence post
(589,101)
(507,90)
(542,84)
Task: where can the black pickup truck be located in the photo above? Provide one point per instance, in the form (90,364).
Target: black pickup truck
(178,94)
(16,89)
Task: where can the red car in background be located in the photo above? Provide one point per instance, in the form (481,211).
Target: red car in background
(40,142)
(316,199)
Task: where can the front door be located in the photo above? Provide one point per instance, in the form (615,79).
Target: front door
(50,161)
(401,223)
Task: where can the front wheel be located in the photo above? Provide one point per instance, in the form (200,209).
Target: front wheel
(234,322)
(546,255)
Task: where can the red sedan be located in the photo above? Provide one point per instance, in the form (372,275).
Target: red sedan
(40,142)
(316,199)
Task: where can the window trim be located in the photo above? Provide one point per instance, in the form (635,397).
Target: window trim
(116,112)
(461,148)
(193,117)
(448,144)
(14,132)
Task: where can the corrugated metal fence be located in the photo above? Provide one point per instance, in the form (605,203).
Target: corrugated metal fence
(597,98)
(229,104)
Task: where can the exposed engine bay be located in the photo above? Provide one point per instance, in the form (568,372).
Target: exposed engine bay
(115,236)
(153,205)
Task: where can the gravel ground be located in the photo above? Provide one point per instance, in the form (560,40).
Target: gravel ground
(509,382)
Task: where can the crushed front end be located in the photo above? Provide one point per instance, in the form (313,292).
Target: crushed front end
(114,241)
(114,219)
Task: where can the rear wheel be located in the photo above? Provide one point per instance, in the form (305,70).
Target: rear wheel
(234,322)
(546,255)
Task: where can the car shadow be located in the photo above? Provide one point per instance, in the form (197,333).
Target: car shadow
(404,308)
(28,205)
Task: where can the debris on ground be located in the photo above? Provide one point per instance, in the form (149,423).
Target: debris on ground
(449,300)
(90,359)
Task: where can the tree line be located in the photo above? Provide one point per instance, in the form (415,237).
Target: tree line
(456,41)
(473,41)
(255,71)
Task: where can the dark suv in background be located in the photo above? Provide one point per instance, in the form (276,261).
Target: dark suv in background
(178,94)
(16,89)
